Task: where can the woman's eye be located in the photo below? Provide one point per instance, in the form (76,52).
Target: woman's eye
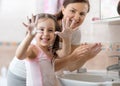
(82,14)
(73,11)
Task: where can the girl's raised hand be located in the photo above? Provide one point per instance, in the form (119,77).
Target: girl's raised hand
(31,26)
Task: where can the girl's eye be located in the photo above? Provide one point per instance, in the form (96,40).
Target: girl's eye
(40,30)
(50,30)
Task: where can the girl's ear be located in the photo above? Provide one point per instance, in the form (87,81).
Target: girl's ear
(63,9)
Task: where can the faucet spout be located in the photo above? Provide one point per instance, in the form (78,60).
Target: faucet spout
(81,70)
(115,67)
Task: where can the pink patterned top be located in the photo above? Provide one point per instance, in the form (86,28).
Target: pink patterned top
(40,71)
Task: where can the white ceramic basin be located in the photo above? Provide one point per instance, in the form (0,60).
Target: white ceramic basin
(88,79)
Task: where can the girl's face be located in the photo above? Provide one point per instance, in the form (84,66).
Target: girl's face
(75,12)
(45,32)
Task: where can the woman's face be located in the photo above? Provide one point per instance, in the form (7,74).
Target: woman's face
(76,12)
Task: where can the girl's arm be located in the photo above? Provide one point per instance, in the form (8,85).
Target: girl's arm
(23,49)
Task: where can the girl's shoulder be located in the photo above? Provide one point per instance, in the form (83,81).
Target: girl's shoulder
(35,49)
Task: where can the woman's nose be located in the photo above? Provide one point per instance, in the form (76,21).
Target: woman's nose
(77,17)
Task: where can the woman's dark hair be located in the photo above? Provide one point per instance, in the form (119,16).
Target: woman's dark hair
(55,46)
(59,15)
(118,8)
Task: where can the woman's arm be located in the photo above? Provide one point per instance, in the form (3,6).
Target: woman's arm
(65,49)
(78,57)
(67,37)
(62,63)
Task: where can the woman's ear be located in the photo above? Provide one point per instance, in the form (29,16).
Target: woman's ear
(63,8)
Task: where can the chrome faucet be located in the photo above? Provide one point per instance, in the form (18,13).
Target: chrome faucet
(115,67)
(81,70)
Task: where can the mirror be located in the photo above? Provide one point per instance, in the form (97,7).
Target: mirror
(110,9)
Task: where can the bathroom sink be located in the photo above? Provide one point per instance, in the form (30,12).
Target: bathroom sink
(89,79)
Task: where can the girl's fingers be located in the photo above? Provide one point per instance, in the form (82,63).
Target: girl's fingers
(29,20)
(33,18)
(25,24)
(36,19)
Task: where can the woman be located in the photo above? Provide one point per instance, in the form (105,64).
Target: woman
(74,12)
(73,56)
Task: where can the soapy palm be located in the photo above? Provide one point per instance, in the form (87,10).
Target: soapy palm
(86,52)
(82,54)
(31,26)
(66,29)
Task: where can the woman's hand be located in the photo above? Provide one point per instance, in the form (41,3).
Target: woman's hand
(66,36)
(31,26)
(87,51)
(66,30)
(82,54)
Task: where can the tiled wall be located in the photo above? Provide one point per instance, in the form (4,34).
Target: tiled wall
(103,59)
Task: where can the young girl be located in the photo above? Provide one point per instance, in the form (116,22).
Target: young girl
(38,57)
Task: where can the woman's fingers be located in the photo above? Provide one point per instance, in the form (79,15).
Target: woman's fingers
(88,51)
(67,23)
(97,49)
(63,25)
(72,24)
(94,50)
(58,33)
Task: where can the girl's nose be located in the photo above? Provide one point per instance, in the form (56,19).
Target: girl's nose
(45,32)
